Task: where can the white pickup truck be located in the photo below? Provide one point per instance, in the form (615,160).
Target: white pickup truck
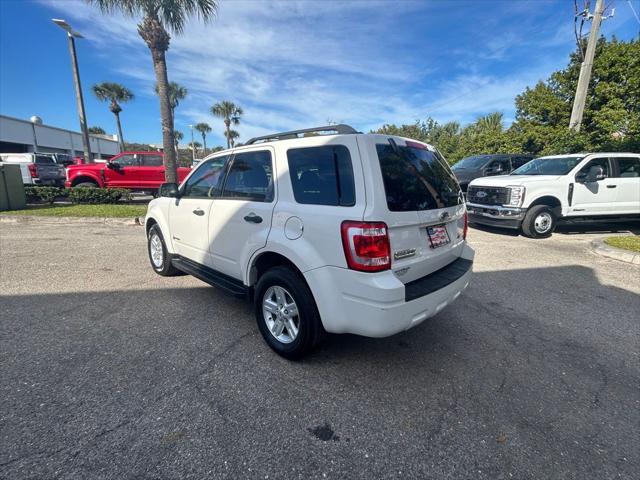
(580,186)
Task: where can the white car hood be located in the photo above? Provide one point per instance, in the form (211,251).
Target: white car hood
(510,180)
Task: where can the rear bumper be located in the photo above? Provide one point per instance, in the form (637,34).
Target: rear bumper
(378,304)
(495,215)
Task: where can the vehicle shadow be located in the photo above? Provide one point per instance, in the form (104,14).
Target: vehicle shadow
(134,381)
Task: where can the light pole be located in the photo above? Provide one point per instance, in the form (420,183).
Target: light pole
(193,147)
(71,36)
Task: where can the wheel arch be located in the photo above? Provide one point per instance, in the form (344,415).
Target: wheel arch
(550,201)
(85,178)
(263,261)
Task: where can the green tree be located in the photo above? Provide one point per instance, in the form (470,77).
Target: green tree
(177,135)
(158,18)
(231,135)
(612,111)
(97,130)
(230,113)
(177,93)
(203,128)
(115,94)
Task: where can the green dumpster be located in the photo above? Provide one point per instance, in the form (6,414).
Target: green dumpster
(12,195)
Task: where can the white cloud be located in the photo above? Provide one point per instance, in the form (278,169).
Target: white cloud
(294,64)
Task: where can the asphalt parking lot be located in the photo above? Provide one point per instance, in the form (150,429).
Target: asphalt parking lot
(109,371)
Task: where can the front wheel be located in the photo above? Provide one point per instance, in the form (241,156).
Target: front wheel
(539,222)
(86,185)
(286,313)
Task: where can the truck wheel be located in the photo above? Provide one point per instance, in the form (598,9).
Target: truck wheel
(158,255)
(539,222)
(87,185)
(286,313)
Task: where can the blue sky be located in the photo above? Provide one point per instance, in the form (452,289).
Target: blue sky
(295,64)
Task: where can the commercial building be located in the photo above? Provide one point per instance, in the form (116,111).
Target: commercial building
(18,136)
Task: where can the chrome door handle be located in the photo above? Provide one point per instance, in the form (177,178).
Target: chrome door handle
(199,212)
(253,218)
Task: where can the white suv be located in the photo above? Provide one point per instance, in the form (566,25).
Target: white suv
(591,186)
(327,229)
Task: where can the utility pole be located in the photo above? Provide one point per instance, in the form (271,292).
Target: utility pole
(585,69)
(193,147)
(71,36)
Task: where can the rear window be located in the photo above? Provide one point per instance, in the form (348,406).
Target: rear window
(322,175)
(416,179)
(44,159)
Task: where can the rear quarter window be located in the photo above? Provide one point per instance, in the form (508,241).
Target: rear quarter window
(322,175)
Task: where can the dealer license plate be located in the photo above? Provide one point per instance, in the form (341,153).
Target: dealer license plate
(438,236)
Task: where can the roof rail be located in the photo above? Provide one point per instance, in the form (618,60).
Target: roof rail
(338,129)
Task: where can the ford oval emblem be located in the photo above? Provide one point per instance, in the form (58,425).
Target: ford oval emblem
(444,215)
(481,194)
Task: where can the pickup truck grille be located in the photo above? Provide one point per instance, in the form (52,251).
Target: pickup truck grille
(488,195)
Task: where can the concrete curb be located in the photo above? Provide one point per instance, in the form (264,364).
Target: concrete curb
(134,221)
(605,250)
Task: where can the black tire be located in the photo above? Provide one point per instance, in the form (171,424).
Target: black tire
(543,229)
(86,185)
(165,268)
(310,329)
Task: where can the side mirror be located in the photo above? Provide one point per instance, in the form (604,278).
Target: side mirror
(596,172)
(169,190)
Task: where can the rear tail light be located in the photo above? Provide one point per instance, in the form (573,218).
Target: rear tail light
(466,225)
(366,246)
(33,170)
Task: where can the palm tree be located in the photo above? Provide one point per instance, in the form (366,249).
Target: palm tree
(230,113)
(491,122)
(176,93)
(195,146)
(158,16)
(177,135)
(97,130)
(231,137)
(203,128)
(115,94)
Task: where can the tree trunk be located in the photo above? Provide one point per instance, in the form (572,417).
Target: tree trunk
(120,137)
(204,143)
(227,124)
(168,141)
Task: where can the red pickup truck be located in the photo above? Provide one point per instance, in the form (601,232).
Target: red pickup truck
(132,170)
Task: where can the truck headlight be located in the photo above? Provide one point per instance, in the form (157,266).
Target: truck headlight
(516,196)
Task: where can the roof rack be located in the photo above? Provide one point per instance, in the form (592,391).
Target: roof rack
(338,129)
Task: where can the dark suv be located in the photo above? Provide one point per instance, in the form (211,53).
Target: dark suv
(477,166)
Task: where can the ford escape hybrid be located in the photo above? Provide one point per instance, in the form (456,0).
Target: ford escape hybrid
(326,229)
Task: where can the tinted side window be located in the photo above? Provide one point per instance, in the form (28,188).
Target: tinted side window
(517,162)
(499,162)
(206,181)
(250,177)
(128,160)
(322,175)
(603,162)
(44,159)
(151,160)
(629,167)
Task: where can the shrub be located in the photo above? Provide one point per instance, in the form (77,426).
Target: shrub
(43,194)
(98,195)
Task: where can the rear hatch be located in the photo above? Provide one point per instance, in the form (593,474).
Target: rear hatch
(420,201)
(48,169)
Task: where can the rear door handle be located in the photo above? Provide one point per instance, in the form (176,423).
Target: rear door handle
(199,212)
(611,186)
(253,218)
